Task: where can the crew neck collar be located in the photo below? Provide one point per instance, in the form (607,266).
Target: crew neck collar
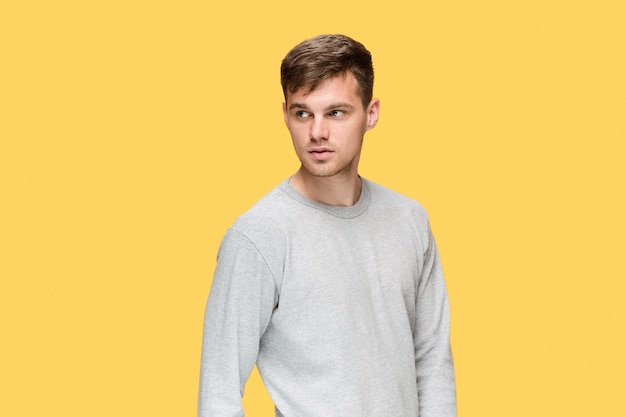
(348,212)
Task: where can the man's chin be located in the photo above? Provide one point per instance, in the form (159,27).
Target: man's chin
(323,172)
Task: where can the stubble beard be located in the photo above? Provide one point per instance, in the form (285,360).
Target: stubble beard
(328,169)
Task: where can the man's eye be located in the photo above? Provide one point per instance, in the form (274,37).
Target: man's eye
(301,114)
(336,113)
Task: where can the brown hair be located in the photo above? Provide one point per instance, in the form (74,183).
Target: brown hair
(326,56)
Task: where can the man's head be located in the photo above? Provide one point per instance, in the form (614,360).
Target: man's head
(327,82)
(324,57)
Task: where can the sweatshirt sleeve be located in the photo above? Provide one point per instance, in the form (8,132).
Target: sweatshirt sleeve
(433,357)
(238,311)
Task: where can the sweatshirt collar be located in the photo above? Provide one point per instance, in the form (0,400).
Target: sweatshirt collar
(338,211)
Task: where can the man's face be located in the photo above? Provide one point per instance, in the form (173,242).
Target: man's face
(327,125)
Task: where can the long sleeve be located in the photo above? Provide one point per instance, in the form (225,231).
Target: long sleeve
(240,304)
(434,364)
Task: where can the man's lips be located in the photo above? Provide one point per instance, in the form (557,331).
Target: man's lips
(320,153)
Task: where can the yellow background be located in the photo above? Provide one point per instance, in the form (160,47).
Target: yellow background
(133,133)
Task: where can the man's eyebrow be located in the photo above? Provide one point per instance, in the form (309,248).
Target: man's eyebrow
(339,104)
(297,105)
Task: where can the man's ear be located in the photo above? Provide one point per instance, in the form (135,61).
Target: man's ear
(373,110)
(285,111)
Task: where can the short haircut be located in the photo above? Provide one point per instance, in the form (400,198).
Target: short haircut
(324,57)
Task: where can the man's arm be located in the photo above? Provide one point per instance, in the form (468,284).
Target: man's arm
(238,311)
(433,357)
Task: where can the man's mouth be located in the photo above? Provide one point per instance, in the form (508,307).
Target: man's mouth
(320,153)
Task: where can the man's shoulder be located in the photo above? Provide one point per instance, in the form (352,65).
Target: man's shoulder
(384,198)
(395,209)
(266,214)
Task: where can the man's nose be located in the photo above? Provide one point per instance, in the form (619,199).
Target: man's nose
(319,129)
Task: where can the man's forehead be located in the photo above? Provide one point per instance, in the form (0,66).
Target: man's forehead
(339,83)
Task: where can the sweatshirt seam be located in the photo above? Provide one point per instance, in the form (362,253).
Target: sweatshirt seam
(245,236)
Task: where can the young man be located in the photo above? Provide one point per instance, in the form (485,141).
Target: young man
(331,284)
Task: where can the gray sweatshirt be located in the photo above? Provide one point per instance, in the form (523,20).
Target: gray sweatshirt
(343,309)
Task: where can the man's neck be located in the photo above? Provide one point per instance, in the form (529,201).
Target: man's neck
(339,190)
